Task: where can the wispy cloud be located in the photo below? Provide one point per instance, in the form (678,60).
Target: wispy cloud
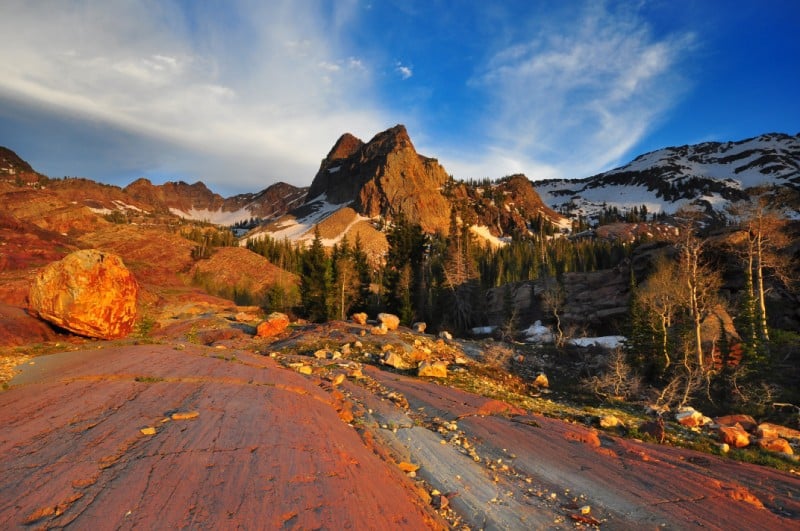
(404,71)
(575,98)
(272,95)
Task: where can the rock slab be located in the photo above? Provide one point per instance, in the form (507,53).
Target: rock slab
(88,292)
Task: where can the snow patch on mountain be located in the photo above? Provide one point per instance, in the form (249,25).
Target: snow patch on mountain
(300,228)
(483,232)
(711,174)
(218,217)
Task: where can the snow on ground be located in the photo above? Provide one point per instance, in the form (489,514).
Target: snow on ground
(482,231)
(609,342)
(538,333)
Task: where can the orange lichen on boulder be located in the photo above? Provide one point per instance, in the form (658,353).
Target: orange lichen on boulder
(89,292)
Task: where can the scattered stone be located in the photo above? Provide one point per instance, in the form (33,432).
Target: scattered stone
(321,354)
(444,334)
(461,360)
(245,317)
(275,323)
(724,448)
(419,327)
(394,360)
(437,369)
(745,421)
(389,321)
(778,445)
(89,292)
(358,344)
(356,374)
(305,369)
(148,431)
(359,318)
(767,430)
(185,415)
(689,417)
(610,421)
(377,331)
(585,509)
(407,467)
(338,379)
(336,355)
(346,349)
(541,380)
(734,436)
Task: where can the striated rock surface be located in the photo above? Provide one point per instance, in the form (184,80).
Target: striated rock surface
(89,292)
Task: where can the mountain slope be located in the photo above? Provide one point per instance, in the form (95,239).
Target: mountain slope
(710,175)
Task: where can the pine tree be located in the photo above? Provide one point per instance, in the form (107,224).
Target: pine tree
(315,281)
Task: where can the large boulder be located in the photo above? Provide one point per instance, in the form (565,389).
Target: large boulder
(89,292)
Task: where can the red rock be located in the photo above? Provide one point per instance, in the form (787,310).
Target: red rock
(275,323)
(89,292)
(776,445)
(745,421)
(734,436)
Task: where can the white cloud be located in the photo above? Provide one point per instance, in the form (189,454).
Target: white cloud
(575,98)
(404,71)
(266,99)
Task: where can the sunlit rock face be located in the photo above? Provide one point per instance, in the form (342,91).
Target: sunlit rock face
(88,292)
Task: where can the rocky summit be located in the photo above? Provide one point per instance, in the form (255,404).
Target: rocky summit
(384,177)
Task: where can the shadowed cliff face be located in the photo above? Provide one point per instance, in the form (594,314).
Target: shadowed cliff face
(386,177)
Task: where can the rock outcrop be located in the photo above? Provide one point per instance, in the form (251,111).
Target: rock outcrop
(89,292)
(385,177)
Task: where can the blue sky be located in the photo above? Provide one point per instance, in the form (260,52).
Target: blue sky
(243,93)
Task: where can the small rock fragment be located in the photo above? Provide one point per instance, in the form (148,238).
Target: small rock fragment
(388,321)
(437,369)
(407,467)
(185,415)
(148,431)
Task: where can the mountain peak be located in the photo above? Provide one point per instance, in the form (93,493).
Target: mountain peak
(384,177)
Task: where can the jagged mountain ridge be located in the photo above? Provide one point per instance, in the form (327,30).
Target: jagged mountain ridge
(196,201)
(359,182)
(710,175)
